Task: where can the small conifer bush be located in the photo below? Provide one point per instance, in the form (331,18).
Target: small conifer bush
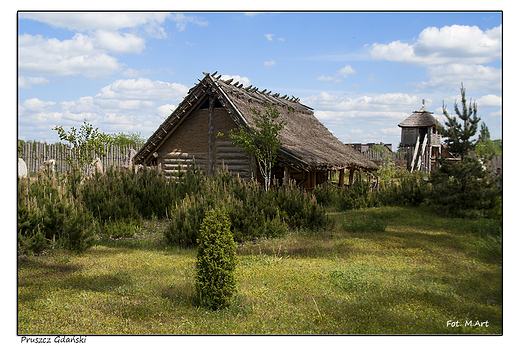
(216,261)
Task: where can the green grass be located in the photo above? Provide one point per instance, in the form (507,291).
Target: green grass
(412,278)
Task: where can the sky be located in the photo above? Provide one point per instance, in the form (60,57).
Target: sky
(362,72)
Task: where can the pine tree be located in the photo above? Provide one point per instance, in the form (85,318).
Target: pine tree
(462,188)
(484,132)
(458,135)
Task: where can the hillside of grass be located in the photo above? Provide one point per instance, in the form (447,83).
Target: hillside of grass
(411,272)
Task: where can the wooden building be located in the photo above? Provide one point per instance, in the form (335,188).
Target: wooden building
(308,154)
(422,141)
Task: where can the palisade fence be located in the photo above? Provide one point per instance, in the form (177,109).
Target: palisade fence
(381,156)
(35,154)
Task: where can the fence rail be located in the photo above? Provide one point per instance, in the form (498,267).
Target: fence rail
(35,154)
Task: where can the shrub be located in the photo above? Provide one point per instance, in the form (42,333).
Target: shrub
(216,261)
(327,194)
(33,242)
(463,189)
(357,196)
(48,214)
(186,218)
(125,228)
(121,194)
(407,189)
(253,212)
(299,209)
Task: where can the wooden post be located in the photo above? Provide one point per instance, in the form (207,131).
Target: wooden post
(313,179)
(351,177)
(286,175)
(341,178)
(211,135)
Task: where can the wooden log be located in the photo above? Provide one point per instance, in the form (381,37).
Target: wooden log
(341,178)
(235,161)
(351,177)
(313,184)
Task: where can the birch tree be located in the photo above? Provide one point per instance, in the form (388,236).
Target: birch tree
(262,140)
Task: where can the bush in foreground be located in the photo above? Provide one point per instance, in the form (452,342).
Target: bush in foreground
(216,261)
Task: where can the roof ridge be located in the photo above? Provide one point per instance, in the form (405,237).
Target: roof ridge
(251,88)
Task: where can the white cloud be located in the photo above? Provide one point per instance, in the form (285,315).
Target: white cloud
(125,105)
(341,73)
(36,105)
(367,118)
(78,55)
(489,100)
(142,89)
(473,76)
(450,44)
(89,53)
(269,63)
(25,82)
(111,21)
(270,37)
(391,131)
(386,104)
(237,78)
(345,71)
(496,114)
(118,43)
(166,110)
(182,20)
(82,105)
(327,79)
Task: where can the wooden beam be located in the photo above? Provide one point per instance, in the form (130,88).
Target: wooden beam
(341,178)
(416,150)
(351,177)
(211,135)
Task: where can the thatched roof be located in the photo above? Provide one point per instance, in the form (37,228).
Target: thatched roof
(306,143)
(421,118)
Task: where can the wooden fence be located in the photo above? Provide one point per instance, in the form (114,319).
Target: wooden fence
(381,156)
(35,154)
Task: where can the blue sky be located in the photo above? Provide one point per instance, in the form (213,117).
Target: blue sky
(361,72)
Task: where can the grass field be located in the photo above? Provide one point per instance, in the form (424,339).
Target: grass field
(420,276)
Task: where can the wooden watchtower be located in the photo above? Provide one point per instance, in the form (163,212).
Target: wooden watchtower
(421,139)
